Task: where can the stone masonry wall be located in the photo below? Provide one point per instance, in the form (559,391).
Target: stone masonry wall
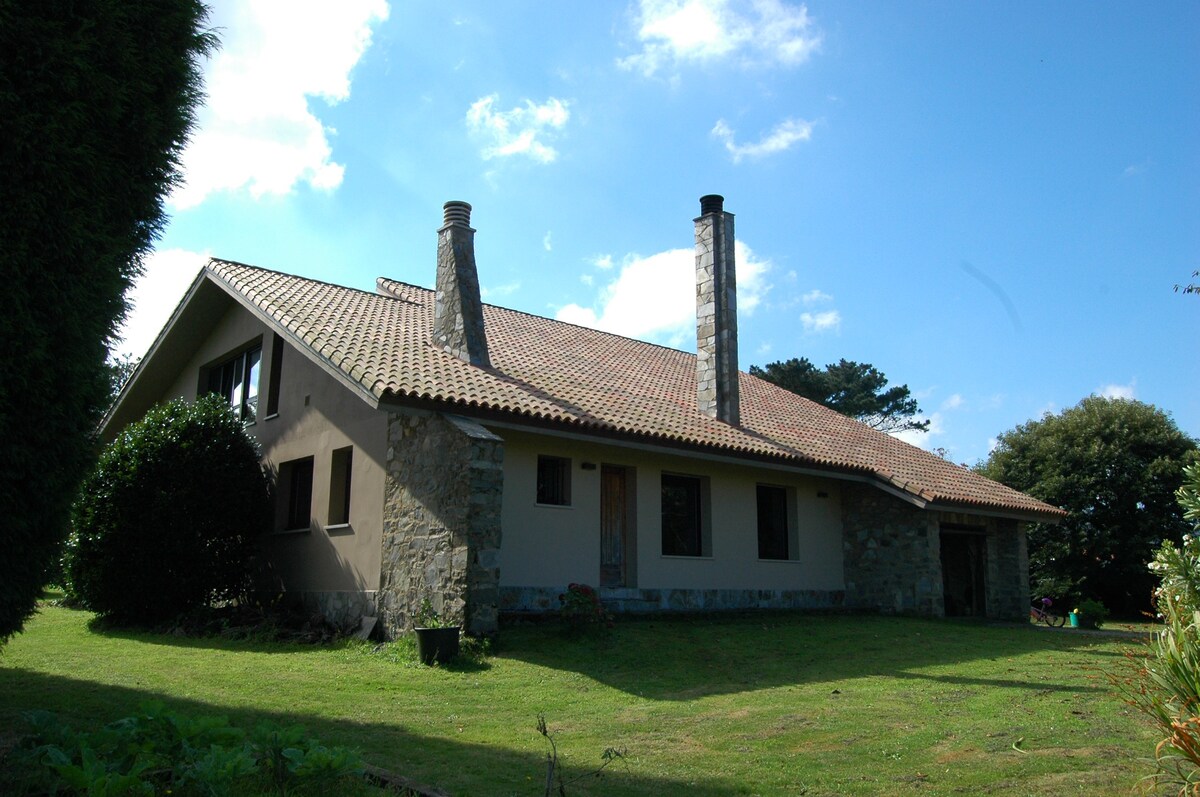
(1007,571)
(441,526)
(892,554)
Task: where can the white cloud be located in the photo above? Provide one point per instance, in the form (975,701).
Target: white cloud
(779,138)
(499,291)
(828,321)
(756,33)
(586,279)
(257,130)
(522,130)
(1119,391)
(547,243)
(925,440)
(155,295)
(654,298)
(603,262)
(814,296)
(953,402)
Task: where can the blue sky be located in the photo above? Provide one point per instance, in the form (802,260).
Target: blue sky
(989,202)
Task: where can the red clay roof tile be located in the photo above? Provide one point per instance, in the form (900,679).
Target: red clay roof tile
(578,377)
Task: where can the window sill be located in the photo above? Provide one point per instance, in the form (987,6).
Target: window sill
(271,417)
(553,506)
(339,528)
(289,532)
(780,561)
(687,558)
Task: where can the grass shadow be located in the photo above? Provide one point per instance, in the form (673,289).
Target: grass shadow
(723,655)
(473,768)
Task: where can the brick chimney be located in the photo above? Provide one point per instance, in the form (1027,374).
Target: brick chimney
(716,313)
(458,311)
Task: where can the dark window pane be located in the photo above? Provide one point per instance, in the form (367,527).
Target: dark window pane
(681,516)
(299,482)
(341,465)
(276,374)
(554,481)
(772,522)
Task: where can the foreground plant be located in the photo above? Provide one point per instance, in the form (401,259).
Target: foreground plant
(157,752)
(554,770)
(1166,684)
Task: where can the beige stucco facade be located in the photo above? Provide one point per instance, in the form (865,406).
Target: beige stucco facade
(316,416)
(551,546)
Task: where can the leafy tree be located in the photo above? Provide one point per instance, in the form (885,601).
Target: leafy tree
(120,368)
(853,389)
(170,518)
(96,100)
(1115,465)
(1191,287)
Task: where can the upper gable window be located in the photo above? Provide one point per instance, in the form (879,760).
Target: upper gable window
(236,380)
(554,481)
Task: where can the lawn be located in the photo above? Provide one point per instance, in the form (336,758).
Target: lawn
(778,704)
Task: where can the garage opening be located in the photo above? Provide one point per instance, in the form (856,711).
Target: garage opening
(964,570)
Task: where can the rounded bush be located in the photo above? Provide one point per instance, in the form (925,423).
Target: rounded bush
(169,521)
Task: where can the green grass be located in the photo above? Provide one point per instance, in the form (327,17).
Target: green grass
(779,704)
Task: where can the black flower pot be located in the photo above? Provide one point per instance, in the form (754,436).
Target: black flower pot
(437,644)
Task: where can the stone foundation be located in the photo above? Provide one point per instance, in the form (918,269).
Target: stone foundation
(441,522)
(342,609)
(630,600)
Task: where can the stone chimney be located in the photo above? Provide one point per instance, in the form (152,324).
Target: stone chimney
(458,311)
(716,313)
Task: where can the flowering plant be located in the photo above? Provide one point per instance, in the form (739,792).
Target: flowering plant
(581,606)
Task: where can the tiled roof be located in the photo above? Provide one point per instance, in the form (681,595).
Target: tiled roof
(575,377)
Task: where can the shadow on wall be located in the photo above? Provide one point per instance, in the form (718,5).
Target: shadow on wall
(729,655)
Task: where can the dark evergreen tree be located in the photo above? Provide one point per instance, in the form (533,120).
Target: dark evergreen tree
(1115,465)
(96,100)
(853,389)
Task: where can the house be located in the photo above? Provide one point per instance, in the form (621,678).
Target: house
(423,444)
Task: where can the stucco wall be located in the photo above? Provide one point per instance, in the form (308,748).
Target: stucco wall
(336,569)
(550,546)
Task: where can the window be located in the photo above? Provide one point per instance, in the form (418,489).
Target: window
(772,522)
(236,380)
(295,481)
(683,517)
(339,486)
(554,481)
(276,373)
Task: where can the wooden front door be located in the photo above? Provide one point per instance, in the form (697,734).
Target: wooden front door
(614,537)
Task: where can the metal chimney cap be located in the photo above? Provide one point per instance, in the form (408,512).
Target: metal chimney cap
(711,203)
(456,212)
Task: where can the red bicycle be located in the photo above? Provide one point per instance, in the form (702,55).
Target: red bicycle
(1042,614)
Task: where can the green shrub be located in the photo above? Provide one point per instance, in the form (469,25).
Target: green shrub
(1093,611)
(169,520)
